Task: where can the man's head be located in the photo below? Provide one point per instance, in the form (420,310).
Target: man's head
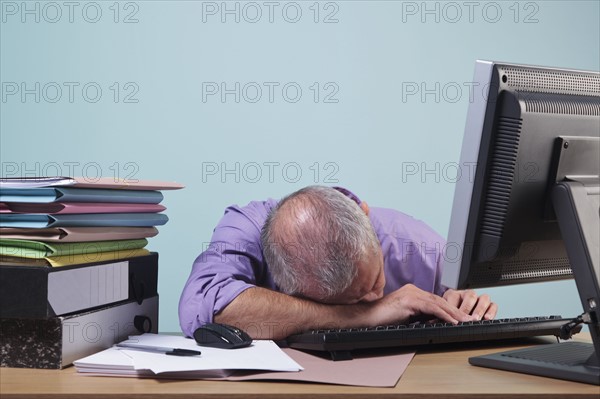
(320,244)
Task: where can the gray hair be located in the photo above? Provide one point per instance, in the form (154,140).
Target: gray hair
(314,240)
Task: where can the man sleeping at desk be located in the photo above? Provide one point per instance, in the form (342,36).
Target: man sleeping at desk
(321,258)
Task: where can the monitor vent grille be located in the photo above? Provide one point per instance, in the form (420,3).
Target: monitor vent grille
(539,80)
(535,268)
(591,108)
(517,271)
(502,172)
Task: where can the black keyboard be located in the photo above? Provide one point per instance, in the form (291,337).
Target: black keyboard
(341,341)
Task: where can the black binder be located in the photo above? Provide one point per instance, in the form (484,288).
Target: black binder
(40,292)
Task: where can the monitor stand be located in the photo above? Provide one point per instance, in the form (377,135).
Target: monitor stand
(576,202)
(574,361)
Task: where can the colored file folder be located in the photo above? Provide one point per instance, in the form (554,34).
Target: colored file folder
(53,208)
(34,182)
(82,182)
(39,249)
(37,221)
(68,194)
(69,260)
(79,234)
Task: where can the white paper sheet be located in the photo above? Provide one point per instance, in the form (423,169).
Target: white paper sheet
(261,355)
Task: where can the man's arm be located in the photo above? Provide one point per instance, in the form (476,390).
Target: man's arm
(267,314)
(231,263)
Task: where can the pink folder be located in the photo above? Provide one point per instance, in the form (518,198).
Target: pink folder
(376,369)
(82,182)
(78,207)
(127,184)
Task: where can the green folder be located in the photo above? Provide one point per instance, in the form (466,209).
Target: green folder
(39,249)
(70,260)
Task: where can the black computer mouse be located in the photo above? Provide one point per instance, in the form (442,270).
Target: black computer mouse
(221,336)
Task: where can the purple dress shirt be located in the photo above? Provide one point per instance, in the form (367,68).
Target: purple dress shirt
(233,261)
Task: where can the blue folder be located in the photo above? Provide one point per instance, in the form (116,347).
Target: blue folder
(38,221)
(64,194)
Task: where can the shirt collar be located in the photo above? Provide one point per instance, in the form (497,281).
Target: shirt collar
(348,194)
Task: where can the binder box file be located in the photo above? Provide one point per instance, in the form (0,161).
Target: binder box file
(41,292)
(56,342)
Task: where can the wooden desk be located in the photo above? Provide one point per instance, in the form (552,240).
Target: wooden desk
(432,374)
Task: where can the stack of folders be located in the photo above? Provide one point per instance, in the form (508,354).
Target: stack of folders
(75,276)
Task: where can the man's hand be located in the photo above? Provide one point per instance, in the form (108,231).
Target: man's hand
(468,302)
(410,301)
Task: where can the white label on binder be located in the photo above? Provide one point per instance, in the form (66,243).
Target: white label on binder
(87,287)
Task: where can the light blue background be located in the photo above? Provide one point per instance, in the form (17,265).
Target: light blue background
(363,141)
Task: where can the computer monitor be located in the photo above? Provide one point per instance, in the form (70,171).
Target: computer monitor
(528,209)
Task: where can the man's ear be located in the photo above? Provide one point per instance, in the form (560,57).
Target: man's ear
(365,207)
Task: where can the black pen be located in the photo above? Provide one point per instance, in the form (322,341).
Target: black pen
(160,349)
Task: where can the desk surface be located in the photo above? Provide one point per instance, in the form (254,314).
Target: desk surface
(431,374)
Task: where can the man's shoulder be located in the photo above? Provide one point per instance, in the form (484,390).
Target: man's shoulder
(393,223)
(255,212)
(388,217)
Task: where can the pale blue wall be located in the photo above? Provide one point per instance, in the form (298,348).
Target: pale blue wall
(367,57)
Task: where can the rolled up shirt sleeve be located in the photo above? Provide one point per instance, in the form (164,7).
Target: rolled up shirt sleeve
(231,263)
